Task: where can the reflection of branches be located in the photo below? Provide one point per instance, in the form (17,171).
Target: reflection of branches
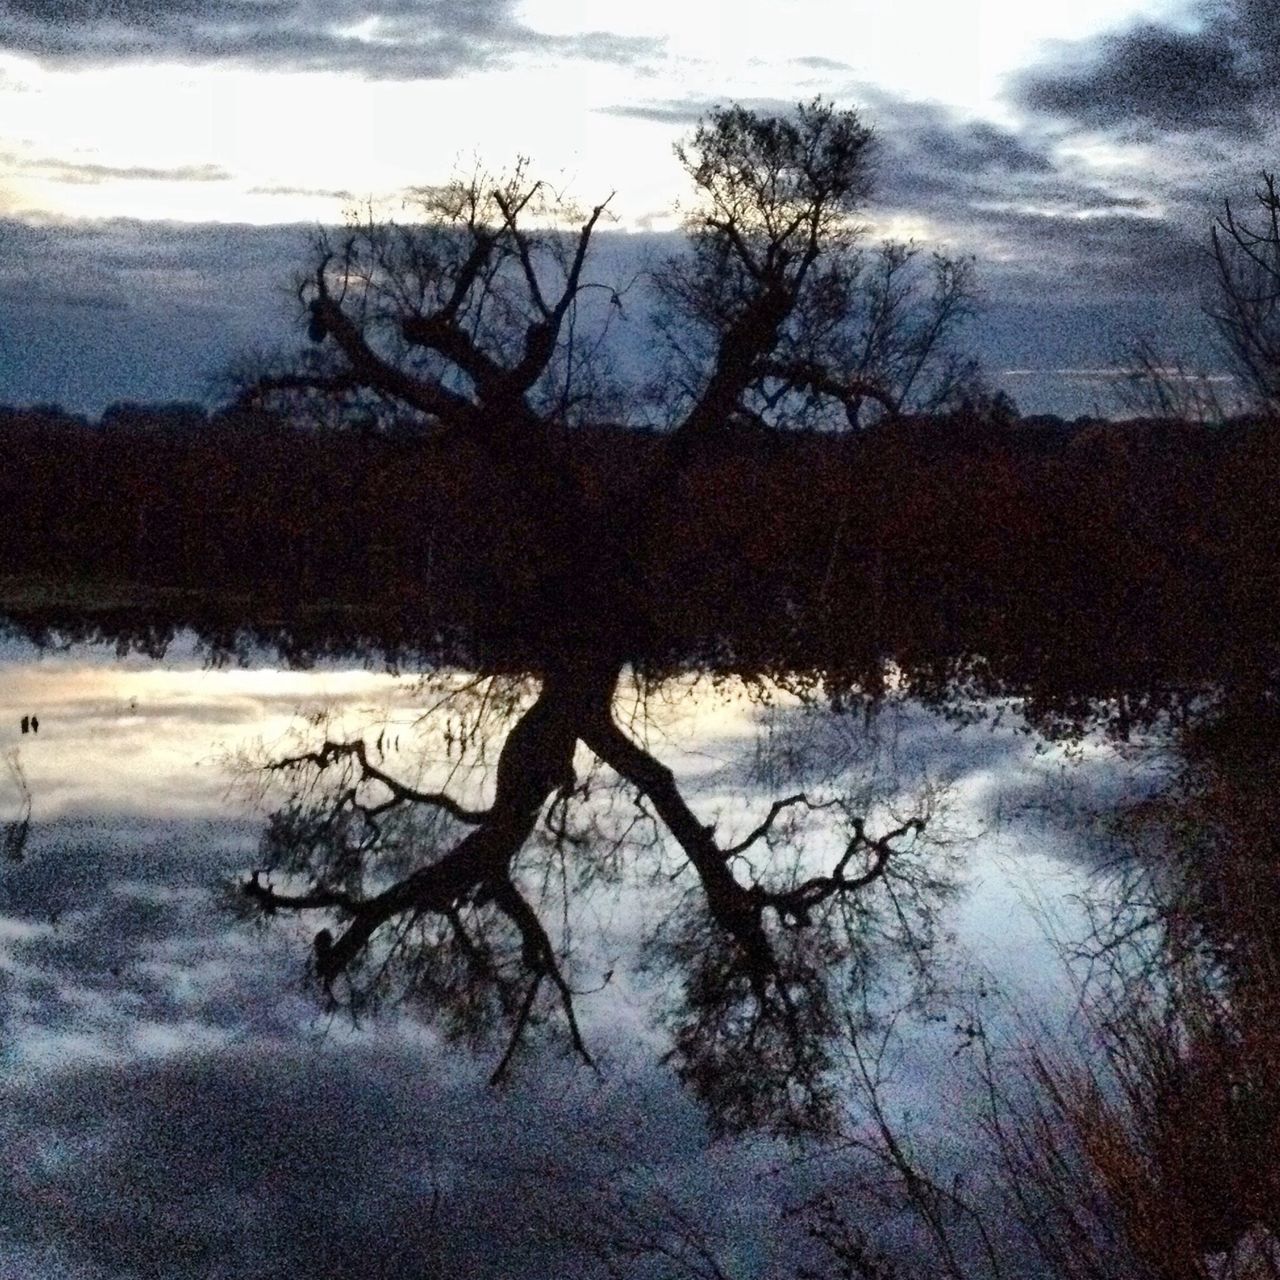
(467,919)
(332,751)
(629,1225)
(796,904)
(540,959)
(938,1207)
(752,1036)
(17,830)
(462,905)
(1144,1149)
(735,907)
(763,830)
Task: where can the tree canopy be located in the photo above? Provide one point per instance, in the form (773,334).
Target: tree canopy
(471,315)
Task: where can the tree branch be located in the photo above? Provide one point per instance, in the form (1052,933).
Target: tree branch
(539,955)
(805,375)
(271,901)
(540,339)
(798,902)
(371,370)
(331,751)
(517,1031)
(766,826)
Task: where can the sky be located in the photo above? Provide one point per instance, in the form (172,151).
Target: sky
(162,161)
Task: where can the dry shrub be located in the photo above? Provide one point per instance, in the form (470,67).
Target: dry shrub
(1154,1148)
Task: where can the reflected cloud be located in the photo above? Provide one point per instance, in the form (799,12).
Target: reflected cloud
(152,1042)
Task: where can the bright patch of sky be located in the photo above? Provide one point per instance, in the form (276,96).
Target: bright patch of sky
(217,142)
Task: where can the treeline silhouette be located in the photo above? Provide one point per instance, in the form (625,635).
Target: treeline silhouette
(1135,562)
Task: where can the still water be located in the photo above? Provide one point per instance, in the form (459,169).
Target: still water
(178,1100)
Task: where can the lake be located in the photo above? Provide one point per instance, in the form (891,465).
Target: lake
(179,1099)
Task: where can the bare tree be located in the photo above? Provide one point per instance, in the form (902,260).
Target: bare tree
(776,314)
(1244,309)
(1246,306)
(467,321)
(464,317)
(1159,385)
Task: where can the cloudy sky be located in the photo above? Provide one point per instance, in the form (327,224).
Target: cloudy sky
(1077,150)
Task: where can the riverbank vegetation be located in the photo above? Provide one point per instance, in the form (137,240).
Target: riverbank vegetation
(1044,560)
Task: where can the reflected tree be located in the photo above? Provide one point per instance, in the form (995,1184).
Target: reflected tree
(1136,1140)
(15,832)
(472,910)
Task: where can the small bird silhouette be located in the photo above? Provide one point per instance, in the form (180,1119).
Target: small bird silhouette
(26,724)
(35,724)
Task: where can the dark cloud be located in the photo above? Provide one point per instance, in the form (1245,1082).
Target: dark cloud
(83,173)
(1006,195)
(978,147)
(919,137)
(339,193)
(128,257)
(146,13)
(1042,227)
(817,63)
(929,159)
(686,111)
(248,1163)
(384,39)
(200,296)
(1221,75)
(13,295)
(1107,254)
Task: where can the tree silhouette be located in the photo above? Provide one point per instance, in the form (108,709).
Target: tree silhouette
(1246,305)
(1243,307)
(777,314)
(467,320)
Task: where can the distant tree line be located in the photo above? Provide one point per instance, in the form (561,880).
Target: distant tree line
(969,552)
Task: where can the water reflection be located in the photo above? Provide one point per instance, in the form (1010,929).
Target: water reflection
(126,986)
(136,748)
(480,909)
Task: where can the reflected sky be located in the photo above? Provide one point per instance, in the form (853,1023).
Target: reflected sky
(151,1042)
